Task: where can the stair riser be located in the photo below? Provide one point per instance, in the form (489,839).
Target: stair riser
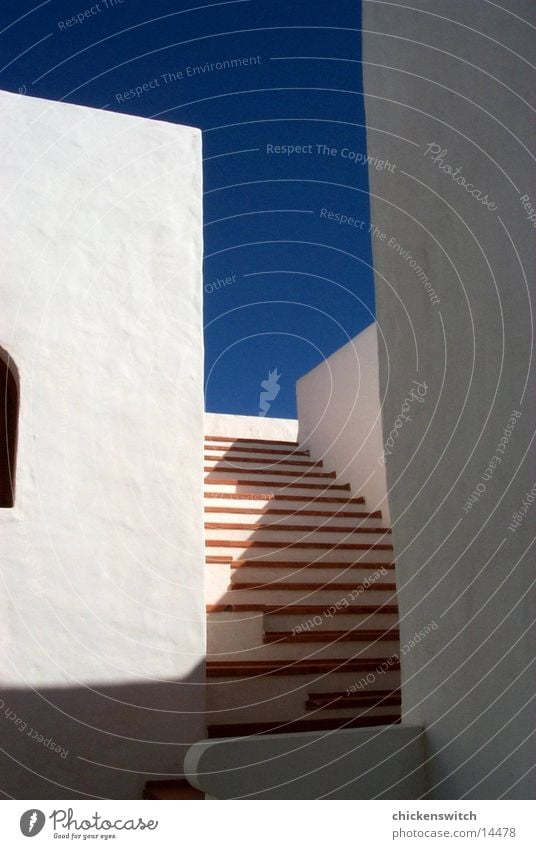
(326,598)
(294,466)
(275,488)
(284,715)
(253,479)
(230,635)
(259,700)
(292,508)
(383,678)
(303,555)
(233,444)
(264,535)
(309,623)
(269,453)
(380,710)
(303,651)
(217,582)
(265,575)
(231,618)
(292,517)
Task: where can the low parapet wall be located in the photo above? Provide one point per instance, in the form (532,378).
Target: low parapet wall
(339,412)
(385,762)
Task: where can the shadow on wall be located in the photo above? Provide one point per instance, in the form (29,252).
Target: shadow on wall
(100,742)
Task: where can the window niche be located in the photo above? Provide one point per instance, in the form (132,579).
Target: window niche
(9,415)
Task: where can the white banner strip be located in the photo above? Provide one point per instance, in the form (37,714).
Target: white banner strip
(265,825)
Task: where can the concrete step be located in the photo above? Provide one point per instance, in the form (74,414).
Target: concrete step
(273,486)
(298,550)
(352,588)
(303,558)
(253,451)
(231,632)
(267,462)
(314,564)
(372,596)
(277,477)
(235,632)
(283,533)
(305,572)
(289,501)
(281,667)
(257,699)
(226,585)
(357,635)
(294,469)
(250,442)
(256,517)
(322,620)
(342,700)
(300,726)
(312,651)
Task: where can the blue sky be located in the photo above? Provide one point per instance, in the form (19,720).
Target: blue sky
(276,88)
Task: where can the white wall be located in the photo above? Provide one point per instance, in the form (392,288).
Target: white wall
(339,411)
(361,763)
(251,427)
(458,77)
(102,608)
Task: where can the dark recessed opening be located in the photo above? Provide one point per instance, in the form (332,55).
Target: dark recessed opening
(9,414)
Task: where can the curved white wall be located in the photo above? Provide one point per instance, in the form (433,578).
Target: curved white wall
(456,74)
(339,412)
(101,608)
(384,762)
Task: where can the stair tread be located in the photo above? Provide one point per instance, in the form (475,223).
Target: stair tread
(277,526)
(252,668)
(292,564)
(252,450)
(248,439)
(245,729)
(295,585)
(334,694)
(268,543)
(290,609)
(270,471)
(271,511)
(229,458)
(343,701)
(276,496)
(281,485)
(355,635)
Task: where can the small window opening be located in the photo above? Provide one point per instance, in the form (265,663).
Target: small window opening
(9,414)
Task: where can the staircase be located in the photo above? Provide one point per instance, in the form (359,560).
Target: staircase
(301,603)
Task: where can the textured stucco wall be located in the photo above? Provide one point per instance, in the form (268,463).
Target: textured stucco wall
(101,610)
(339,411)
(359,763)
(455,75)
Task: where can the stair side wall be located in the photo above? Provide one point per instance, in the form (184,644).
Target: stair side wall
(250,427)
(339,412)
(454,75)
